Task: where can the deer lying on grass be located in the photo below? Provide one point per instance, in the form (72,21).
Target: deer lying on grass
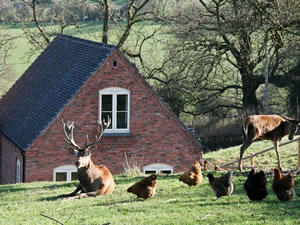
(94,180)
(267,127)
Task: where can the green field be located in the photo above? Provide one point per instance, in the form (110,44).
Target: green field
(174,202)
(21,56)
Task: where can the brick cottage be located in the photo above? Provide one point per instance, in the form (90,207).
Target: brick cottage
(84,81)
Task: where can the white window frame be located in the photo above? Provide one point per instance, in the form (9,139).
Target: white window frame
(69,169)
(18,171)
(158,167)
(114,91)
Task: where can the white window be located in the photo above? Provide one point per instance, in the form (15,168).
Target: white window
(65,173)
(158,168)
(114,102)
(18,171)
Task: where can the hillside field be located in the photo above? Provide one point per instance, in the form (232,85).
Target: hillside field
(21,55)
(174,202)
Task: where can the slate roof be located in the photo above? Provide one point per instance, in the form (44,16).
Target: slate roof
(47,86)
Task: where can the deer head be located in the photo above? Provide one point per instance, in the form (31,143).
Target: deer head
(293,126)
(83,153)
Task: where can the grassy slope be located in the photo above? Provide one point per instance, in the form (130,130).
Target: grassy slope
(174,202)
(266,161)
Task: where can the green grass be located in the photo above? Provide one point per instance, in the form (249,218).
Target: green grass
(174,202)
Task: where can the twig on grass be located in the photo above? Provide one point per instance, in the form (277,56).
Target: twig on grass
(52,219)
(56,219)
(69,218)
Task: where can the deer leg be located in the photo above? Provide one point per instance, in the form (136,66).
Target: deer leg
(276,146)
(85,195)
(82,195)
(89,194)
(99,192)
(78,188)
(243,148)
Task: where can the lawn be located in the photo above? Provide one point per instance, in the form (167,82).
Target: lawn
(174,202)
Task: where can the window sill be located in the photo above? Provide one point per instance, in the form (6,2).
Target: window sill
(116,134)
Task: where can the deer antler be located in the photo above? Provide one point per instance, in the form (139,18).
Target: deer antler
(68,132)
(102,127)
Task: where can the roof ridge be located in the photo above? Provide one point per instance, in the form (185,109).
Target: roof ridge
(85,41)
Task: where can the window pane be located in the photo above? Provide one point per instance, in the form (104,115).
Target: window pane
(122,103)
(74,176)
(61,176)
(105,115)
(150,171)
(165,171)
(122,120)
(106,103)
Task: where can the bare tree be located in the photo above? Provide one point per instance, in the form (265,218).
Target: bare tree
(6,41)
(218,56)
(60,14)
(120,23)
(105,9)
(135,12)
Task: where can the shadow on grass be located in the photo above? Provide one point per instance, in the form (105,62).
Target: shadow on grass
(51,198)
(14,188)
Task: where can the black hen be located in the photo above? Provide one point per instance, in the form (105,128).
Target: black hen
(255,185)
(222,185)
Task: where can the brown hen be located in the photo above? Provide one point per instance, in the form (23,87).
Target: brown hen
(144,188)
(193,177)
(283,186)
(221,185)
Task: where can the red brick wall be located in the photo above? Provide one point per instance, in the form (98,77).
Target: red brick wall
(155,134)
(8,157)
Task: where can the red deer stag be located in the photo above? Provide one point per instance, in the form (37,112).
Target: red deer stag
(94,180)
(267,127)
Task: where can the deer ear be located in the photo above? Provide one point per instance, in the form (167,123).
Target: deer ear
(286,118)
(91,150)
(73,151)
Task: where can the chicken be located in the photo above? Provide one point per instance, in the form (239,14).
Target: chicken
(193,177)
(144,188)
(283,186)
(255,185)
(222,185)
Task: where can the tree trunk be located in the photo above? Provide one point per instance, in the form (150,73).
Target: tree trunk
(105,21)
(250,102)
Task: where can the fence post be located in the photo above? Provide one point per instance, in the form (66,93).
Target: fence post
(299,153)
(252,160)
